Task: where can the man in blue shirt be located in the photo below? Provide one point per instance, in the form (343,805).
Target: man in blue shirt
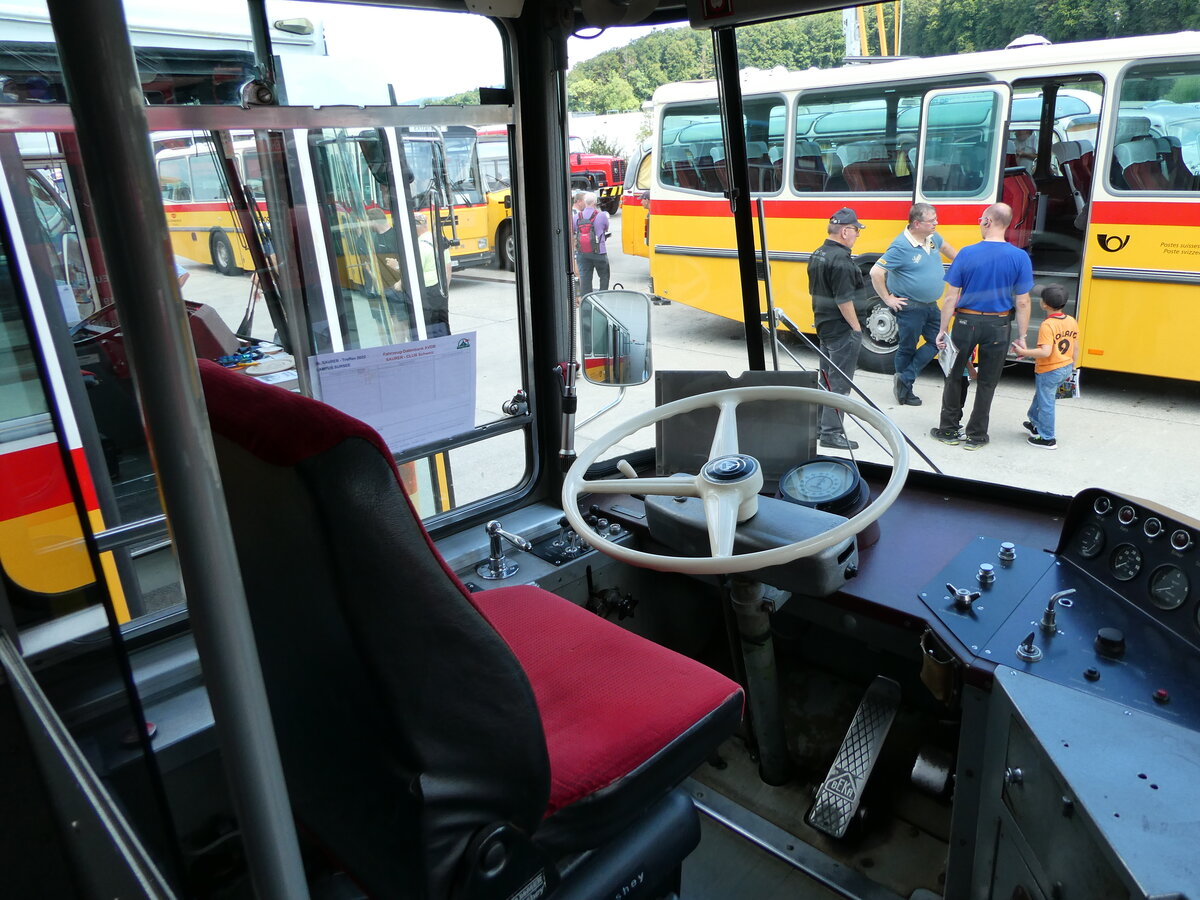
(987,282)
(909,278)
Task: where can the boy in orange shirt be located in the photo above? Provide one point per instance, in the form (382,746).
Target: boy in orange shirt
(1056,355)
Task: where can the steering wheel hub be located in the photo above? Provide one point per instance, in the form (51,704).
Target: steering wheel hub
(730,469)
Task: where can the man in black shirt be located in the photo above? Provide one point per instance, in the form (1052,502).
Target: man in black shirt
(835,282)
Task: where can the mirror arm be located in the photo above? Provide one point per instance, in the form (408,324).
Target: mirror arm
(598,413)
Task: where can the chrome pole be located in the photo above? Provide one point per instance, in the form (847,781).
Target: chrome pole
(110,118)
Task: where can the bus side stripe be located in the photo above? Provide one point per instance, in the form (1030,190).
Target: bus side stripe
(1157,213)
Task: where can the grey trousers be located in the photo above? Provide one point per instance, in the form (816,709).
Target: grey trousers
(837,372)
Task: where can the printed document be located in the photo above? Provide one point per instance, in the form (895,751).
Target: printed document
(411,393)
(947,356)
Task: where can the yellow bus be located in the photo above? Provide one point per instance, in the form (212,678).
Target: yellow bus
(1111,209)
(196,201)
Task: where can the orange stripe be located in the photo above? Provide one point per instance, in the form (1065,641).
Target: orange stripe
(1156,212)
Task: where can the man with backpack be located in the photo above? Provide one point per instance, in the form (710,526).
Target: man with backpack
(591,234)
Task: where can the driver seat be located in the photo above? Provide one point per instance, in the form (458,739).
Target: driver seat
(439,743)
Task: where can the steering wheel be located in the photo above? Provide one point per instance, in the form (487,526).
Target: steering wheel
(728,483)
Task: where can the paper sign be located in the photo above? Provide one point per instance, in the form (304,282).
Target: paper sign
(411,393)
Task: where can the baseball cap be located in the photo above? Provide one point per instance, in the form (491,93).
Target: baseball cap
(846,216)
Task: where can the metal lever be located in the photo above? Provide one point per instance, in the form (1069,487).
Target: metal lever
(1048,617)
(963,597)
(497,565)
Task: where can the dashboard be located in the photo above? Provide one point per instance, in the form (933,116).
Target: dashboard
(1144,553)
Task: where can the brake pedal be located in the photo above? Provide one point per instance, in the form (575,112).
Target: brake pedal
(838,797)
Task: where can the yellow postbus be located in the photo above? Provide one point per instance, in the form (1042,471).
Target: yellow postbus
(1110,208)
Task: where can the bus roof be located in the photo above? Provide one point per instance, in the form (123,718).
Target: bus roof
(1056,57)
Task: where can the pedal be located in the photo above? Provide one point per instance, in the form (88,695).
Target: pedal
(838,797)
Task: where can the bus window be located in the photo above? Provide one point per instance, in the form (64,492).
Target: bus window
(960,144)
(844,142)
(693,149)
(1157,142)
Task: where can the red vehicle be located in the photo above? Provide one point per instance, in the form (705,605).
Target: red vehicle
(593,172)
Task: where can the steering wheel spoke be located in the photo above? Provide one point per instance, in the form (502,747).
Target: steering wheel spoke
(720,514)
(725,440)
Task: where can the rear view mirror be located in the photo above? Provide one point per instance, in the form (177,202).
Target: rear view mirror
(614,327)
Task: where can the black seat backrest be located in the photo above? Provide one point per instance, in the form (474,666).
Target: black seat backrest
(386,684)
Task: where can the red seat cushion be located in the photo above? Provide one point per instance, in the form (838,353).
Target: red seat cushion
(624,699)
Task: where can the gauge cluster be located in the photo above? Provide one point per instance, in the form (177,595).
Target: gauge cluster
(1147,555)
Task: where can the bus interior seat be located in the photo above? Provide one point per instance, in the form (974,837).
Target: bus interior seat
(678,162)
(808,172)
(1070,162)
(865,166)
(706,168)
(1020,192)
(1140,166)
(762,170)
(719,168)
(1170,153)
(429,734)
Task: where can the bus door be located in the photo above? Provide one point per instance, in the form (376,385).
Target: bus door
(1141,247)
(961,150)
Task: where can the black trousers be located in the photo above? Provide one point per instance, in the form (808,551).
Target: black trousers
(991,334)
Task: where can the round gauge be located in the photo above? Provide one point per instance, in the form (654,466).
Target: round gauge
(1091,541)
(1126,562)
(825,482)
(1126,515)
(1102,506)
(1168,587)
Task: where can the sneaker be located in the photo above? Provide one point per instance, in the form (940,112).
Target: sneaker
(1044,443)
(1030,427)
(838,442)
(949,436)
(899,388)
(975,443)
(911,400)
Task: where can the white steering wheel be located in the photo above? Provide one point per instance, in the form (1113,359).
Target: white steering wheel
(728,484)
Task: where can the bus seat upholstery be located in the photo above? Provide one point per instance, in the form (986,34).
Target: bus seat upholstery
(1076,171)
(1140,165)
(866,166)
(413,716)
(809,169)
(1020,192)
(679,169)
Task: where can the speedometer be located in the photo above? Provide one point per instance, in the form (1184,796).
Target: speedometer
(1126,562)
(1168,587)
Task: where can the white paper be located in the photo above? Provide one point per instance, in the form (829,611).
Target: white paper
(947,355)
(411,393)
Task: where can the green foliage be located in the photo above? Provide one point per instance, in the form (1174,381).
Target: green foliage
(604,146)
(466,98)
(938,27)
(612,94)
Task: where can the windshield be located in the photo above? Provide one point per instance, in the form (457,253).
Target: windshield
(857,138)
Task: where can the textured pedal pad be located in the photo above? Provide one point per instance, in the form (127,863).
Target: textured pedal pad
(838,797)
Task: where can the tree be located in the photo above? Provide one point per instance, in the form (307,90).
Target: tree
(611,95)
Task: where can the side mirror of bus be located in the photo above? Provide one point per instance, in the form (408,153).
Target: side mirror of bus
(614,328)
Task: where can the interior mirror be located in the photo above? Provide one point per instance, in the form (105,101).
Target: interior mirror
(614,328)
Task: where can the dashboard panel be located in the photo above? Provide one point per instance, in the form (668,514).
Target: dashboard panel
(1144,552)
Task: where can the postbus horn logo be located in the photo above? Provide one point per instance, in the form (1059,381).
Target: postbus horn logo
(1111,242)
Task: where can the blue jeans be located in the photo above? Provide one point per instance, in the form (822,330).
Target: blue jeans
(915,321)
(837,372)
(1045,387)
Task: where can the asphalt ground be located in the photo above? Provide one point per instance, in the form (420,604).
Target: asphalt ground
(1131,435)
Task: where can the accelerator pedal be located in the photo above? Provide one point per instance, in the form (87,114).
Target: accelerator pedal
(838,797)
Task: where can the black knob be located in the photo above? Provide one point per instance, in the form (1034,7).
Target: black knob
(1110,642)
